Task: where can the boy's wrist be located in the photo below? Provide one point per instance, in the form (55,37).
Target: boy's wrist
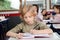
(16,36)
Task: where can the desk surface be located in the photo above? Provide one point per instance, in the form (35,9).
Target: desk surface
(37,39)
(51,22)
(54,37)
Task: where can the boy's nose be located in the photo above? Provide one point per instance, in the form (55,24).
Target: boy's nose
(27,18)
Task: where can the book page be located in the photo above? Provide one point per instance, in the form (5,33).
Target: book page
(28,35)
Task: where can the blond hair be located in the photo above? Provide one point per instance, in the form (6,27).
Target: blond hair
(26,9)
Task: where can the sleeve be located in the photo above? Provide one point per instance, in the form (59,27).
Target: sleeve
(43,26)
(17,28)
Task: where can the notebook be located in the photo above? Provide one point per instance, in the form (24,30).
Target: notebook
(28,35)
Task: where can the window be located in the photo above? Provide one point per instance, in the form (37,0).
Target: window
(9,4)
(14,4)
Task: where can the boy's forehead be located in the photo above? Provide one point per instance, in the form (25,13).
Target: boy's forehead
(28,14)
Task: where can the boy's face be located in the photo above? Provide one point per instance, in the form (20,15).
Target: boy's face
(28,18)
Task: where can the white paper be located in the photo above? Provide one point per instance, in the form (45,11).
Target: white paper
(28,35)
(42,35)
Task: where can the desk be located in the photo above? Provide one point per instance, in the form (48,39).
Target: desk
(54,23)
(54,37)
(37,39)
(55,29)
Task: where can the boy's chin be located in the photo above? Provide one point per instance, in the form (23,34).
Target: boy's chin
(30,23)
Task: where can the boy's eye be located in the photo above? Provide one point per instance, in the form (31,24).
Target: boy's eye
(29,16)
(25,17)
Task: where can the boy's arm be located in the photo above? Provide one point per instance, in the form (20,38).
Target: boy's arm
(43,30)
(15,35)
(13,32)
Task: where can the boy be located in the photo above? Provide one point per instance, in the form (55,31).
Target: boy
(29,25)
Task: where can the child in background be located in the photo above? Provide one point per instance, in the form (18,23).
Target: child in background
(46,15)
(29,25)
(56,17)
(37,10)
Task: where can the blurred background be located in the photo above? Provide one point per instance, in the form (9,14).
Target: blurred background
(14,4)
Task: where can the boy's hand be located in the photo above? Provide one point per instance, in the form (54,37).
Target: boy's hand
(20,35)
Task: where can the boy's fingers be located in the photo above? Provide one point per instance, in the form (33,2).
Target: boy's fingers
(21,34)
(32,31)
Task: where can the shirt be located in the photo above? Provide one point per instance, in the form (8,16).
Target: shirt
(26,28)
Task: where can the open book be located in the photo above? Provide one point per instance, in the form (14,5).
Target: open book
(28,35)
